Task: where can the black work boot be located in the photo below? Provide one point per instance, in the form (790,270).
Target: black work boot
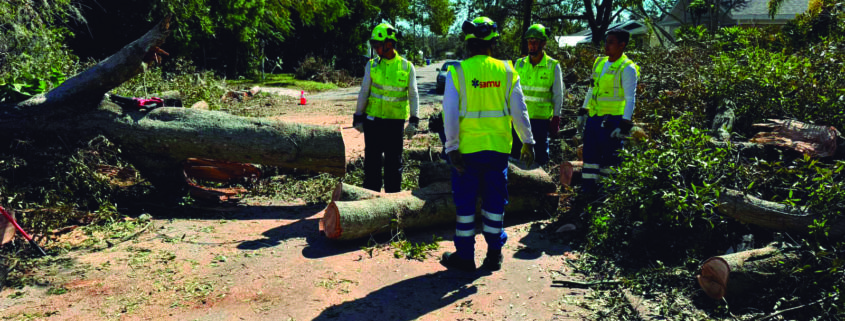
(452,261)
(493,261)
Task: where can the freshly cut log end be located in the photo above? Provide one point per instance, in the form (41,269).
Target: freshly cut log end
(714,277)
(570,173)
(330,222)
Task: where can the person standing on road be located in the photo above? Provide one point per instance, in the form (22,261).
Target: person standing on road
(481,103)
(542,85)
(605,117)
(383,105)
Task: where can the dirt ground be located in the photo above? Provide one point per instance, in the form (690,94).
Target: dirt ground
(266,260)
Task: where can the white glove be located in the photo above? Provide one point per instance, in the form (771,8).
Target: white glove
(581,123)
(410,131)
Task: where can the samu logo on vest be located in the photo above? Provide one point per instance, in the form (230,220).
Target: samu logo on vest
(485,84)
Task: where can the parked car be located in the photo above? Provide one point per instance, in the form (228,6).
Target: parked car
(441,76)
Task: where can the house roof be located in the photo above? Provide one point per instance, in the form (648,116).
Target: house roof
(758,11)
(751,12)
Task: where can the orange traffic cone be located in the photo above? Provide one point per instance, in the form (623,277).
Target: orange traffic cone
(302,98)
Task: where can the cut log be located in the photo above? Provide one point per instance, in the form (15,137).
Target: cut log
(421,208)
(345,192)
(752,210)
(520,180)
(570,173)
(814,140)
(743,271)
(158,142)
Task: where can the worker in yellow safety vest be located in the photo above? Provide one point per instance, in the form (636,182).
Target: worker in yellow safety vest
(388,95)
(542,85)
(481,103)
(605,117)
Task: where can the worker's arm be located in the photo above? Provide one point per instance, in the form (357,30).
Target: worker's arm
(451,114)
(629,83)
(558,90)
(413,93)
(519,112)
(364,94)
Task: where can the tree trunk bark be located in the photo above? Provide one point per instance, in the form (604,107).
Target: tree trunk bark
(83,91)
(160,141)
(744,271)
(520,181)
(752,210)
(421,208)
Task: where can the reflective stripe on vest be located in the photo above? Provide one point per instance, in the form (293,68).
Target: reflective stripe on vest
(608,93)
(485,120)
(536,89)
(389,88)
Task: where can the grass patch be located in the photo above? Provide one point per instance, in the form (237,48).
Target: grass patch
(284,81)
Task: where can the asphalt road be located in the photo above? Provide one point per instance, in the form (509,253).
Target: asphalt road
(426,81)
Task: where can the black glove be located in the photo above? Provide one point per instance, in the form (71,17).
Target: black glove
(625,126)
(414,120)
(358,119)
(457,161)
(358,122)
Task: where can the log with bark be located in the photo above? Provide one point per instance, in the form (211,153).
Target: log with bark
(158,141)
(432,205)
(814,140)
(520,180)
(780,217)
(737,273)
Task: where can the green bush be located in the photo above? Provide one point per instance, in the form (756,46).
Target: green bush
(33,58)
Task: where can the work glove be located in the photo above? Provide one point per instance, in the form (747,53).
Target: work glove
(358,122)
(581,121)
(411,130)
(527,154)
(554,127)
(623,131)
(457,161)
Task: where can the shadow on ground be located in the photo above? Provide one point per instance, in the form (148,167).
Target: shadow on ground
(430,292)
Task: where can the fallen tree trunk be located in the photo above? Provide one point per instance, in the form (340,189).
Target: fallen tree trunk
(82,91)
(424,207)
(743,271)
(520,180)
(158,141)
(752,210)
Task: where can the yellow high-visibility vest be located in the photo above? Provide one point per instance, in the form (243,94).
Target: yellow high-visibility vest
(536,82)
(484,86)
(608,94)
(389,90)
